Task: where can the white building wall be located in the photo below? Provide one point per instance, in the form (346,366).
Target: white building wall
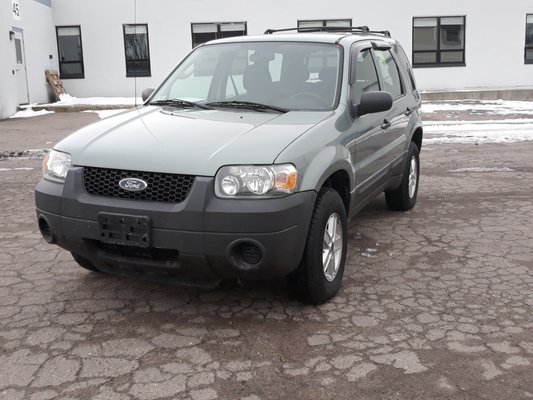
(39,43)
(494,47)
(8,85)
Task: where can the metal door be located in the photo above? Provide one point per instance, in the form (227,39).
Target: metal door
(20,69)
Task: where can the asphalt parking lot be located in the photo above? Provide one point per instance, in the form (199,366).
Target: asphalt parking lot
(436,303)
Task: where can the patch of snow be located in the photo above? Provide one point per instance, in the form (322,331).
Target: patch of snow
(481,122)
(106,113)
(490,107)
(28,113)
(473,140)
(65,97)
(483,169)
(68,100)
(24,154)
(506,131)
(16,169)
(370,253)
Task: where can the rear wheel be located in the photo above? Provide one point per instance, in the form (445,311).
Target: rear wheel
(404,197)
(84,263)
(318,277)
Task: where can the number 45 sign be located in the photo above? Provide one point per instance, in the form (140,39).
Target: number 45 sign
(16,9)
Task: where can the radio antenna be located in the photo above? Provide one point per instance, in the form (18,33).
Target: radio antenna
(135,25)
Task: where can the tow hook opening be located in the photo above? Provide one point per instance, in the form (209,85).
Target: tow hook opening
(46,231)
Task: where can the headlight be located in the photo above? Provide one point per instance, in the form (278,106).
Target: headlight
(56,165)
(255,180)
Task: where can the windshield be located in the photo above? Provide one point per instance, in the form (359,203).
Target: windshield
(288,75)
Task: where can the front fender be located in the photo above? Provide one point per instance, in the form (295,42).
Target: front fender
(325,163)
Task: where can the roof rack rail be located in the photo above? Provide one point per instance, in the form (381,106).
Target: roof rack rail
(355,29)
(362,29)
(384,33)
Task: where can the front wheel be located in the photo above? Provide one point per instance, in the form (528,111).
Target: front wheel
(318,277)
(404,197)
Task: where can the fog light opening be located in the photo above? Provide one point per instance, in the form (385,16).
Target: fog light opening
(246,254)
(46,231)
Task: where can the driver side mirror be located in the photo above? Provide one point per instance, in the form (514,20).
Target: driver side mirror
(373,102)
(146,93)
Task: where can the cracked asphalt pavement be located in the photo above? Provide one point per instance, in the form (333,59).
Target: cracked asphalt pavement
(436,303)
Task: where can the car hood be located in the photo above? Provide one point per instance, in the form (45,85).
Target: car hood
(195,142)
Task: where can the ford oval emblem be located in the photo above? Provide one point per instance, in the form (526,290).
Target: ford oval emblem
(133,184)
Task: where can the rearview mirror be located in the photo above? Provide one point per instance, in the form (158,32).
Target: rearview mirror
(373,102)
(146,93)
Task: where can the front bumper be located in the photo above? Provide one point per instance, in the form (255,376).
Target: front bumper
(198,241)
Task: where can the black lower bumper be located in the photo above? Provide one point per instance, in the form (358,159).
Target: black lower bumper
(203,239)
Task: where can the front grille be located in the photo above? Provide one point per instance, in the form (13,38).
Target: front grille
(162,187)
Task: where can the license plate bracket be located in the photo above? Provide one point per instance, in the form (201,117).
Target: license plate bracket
(127,230)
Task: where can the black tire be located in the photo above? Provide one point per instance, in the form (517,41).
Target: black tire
(403,198)
(84,263)
(309,280)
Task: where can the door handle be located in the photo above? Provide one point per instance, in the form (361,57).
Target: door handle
(408,111)
(386,124)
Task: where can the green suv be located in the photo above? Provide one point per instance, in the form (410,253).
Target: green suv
(245,163)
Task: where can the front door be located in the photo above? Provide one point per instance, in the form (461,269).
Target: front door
(20,69)
(372,141)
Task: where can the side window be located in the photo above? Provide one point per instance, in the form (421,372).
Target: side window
(404,62)
(366,78)
(388,71)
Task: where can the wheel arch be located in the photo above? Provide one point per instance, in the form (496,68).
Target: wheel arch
(340,182)
(417,137)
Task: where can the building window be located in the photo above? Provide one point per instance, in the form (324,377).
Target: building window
(438,41)
(70,52)
(18,51)
(319,23)
(528,51)
(202,33)
(137,50)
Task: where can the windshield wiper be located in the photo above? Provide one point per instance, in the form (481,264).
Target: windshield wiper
(248,105)
(180,103)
